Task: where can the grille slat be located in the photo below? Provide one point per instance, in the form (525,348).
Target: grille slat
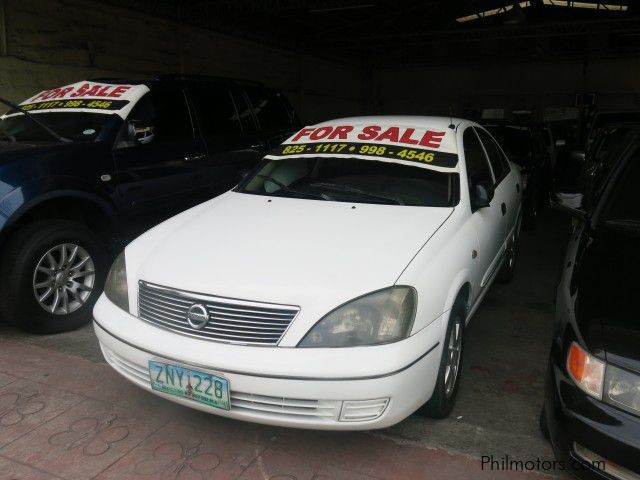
(230,320)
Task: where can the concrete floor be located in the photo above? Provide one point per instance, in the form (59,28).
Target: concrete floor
(496,414)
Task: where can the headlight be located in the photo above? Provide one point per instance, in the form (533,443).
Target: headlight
(380,317)
(586,370)
(115,287)
(622,389)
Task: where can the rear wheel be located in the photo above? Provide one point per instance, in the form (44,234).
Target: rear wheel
(52,276)
(444,396)
(507,271)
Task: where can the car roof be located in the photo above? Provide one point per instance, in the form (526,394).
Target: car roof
(399,120)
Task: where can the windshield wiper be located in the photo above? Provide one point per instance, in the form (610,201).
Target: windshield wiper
(285,188)
(33,118)
(345,188)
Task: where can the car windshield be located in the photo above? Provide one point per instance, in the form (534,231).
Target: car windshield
(76,126)
(515,140)
(354,180)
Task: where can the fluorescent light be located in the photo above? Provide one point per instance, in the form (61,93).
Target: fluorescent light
(492,12)
(586,5)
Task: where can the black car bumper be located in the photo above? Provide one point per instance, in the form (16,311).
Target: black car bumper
(584,429)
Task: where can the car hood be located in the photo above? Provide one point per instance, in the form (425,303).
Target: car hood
(311,253)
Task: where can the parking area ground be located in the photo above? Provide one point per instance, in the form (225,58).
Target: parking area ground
(65,414)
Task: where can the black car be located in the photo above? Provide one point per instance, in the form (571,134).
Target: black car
(525,146)
(592,399)
(88,166)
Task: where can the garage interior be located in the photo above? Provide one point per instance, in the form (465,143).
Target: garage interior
(552,61)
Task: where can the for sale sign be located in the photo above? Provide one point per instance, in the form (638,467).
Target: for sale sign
(87,97)
(420,146)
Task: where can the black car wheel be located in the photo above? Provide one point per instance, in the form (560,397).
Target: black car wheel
(542,421)
(52,274)
(444,396)
(531,212)
(507,271)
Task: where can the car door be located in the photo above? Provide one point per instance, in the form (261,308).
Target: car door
(506,190)
(155,179)
(229,132)
(487,222)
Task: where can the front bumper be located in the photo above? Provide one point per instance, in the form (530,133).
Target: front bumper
(306,388)
(584,429)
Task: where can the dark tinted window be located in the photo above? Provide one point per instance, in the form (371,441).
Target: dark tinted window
(216,110)
(516,141)
(477,166)
(167,110)
(496,158)
(270,109)
(624,204)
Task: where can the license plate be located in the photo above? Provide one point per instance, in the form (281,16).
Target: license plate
(185,382)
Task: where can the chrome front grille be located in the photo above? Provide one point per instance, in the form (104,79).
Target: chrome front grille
(230,320)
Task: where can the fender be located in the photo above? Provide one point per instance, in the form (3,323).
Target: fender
(19,201)
(462,278)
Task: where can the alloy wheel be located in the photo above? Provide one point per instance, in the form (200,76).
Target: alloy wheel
(452,360)
(63,279)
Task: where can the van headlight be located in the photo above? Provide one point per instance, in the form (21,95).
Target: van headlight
(622,389)
(379,317)
(116,288)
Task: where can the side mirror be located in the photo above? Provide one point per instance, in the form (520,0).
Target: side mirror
(141,131)
(578,155)
(482,196)
(561,143)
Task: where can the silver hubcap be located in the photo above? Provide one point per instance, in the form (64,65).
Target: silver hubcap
(452,359)
(63,279)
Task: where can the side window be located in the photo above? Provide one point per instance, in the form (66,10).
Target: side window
(270,109)
(244,112)
(496,158)
(478,171)
(167,110)
(624,203)
(216,110)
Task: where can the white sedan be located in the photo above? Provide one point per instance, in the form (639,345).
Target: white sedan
(331,288)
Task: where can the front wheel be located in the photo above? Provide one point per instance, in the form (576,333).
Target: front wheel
(51,276)
(444,396)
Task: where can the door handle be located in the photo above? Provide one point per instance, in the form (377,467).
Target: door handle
(194,156)
(504,208)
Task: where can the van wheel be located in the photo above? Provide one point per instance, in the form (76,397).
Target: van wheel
(444,396)
(52,275)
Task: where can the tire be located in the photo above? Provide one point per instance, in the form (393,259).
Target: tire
(444,396)
(531,213)
(544,427)
(507,271)
(26,267)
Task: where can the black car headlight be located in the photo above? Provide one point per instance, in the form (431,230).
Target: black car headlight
(380,317)
(116,288)
(622,389)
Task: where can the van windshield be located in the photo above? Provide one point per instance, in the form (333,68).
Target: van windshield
(353,180)
(76,126)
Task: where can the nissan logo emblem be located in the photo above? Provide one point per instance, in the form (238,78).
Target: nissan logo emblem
(197,316)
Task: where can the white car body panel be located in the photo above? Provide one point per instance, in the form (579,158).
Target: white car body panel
(317,255)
